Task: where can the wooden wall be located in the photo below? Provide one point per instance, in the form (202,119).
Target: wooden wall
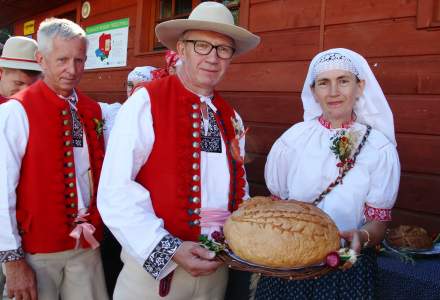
(265,85)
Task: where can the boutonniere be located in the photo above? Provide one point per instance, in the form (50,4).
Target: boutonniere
(216,243)
(99,126)
(343,145)
(343,259)
(239,133)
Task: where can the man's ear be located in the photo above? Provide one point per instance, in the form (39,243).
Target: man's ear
(180,49)
(38,57)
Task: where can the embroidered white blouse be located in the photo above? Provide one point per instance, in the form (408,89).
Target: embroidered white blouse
(125,205)
(301,166)
(14,133)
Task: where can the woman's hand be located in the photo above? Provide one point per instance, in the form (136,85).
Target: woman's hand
(354,237)
(371,234)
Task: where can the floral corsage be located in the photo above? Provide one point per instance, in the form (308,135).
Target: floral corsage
(239,133)
(216,243)
(344,258)
(99,126)
(343,145)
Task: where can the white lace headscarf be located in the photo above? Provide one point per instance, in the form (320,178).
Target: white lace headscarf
(371,108)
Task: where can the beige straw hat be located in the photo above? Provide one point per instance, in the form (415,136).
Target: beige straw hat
(19,53)
(210,16)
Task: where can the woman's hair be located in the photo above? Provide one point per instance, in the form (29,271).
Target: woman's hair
(314,81)
(62,28)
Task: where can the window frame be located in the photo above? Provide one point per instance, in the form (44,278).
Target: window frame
(428,14)
(146,20)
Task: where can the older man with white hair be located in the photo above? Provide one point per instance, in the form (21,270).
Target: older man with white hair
(174,167)
(52,148)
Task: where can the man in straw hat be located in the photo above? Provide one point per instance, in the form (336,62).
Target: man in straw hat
(174,166)
(51,152)
(18,66)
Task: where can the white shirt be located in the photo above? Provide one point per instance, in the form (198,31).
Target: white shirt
(14,134)
(124,204)
(301,166)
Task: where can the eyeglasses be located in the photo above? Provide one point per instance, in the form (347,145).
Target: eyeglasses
(204,48)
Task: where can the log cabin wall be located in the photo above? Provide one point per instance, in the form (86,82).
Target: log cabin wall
(399,38)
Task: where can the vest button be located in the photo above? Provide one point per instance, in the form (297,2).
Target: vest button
(195,106)
(71,185)
(195,155)
(69,165)
(67,143)
(195,200)
(196,125)
(196,178)
(70,175)
(66,122)
(196,211)
(194,223)
(196,145)
(69,153)
(67,132)
(195,188)
(71,215)
(72,195)
(196,134)
(64,112)
(195,115)
(195,166)
(72,205)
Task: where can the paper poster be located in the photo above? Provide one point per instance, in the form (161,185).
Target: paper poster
(107,44)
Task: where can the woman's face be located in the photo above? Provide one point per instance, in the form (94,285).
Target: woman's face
(336,92)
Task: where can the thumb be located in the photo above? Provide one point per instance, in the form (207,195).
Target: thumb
(346,235)
(203,253)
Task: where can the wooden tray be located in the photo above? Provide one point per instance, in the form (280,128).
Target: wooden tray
(311,272)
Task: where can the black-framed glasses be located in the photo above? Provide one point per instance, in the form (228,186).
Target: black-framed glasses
(204,48)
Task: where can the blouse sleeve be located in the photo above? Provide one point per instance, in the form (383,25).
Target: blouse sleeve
(109,112)
(384,184)
(278,164)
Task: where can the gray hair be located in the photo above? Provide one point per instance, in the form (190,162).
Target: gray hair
(62,28)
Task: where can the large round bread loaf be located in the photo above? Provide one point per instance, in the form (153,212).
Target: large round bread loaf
(408,236)
(281,234)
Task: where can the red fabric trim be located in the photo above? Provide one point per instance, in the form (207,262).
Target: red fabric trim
(19,59)
(3,99)
(327,124)
(377,214)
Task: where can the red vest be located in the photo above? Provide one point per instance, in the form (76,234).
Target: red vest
(172,171)
(3,99)
(46,193)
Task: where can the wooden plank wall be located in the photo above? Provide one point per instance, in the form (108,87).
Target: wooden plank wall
(265,84)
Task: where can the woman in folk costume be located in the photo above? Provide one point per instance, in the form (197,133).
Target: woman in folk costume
(343,159)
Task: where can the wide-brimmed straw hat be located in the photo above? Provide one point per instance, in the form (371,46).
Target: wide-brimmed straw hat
(19,53)
(210,16)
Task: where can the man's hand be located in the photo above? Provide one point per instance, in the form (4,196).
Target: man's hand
(20,280)
(196,260)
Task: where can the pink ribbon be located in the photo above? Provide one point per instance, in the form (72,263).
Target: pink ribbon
(213,217)
(84,227)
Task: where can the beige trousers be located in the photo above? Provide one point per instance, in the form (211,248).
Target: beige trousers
(134,283)
(69,275)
